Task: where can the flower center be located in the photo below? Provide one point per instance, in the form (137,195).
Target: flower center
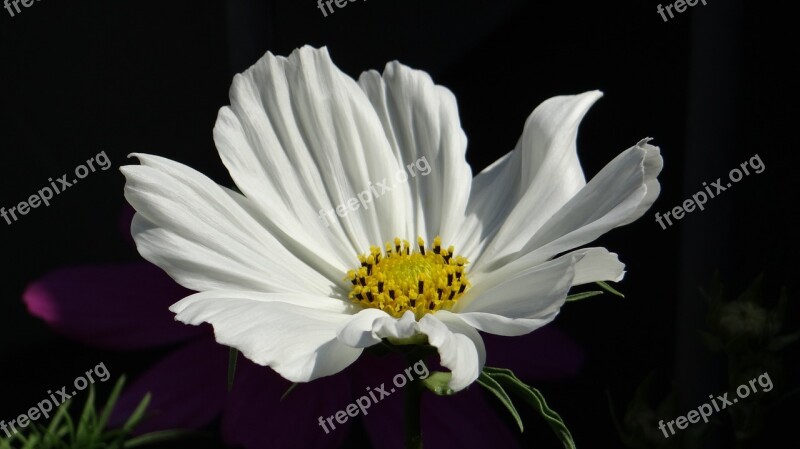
(401,278)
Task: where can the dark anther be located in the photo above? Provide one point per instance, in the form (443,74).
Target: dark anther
(380,287)
(421,287)
(462,288)
(369,295)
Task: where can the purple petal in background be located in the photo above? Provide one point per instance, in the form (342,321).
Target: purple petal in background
(115,307)
(188,389)
(255,417)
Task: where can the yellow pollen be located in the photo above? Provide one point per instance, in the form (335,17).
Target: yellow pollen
(405,277)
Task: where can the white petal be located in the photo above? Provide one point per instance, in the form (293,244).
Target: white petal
(205,239)
(597,264)
(460,347)
(294,334)
(422,124)
(301,139)
(517,299)
(512,199)
(622,191)
(369,326)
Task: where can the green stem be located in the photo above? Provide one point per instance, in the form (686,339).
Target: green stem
(413,395)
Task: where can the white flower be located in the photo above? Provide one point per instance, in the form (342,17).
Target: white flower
(301,137)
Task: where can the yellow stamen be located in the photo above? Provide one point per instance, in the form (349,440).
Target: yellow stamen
(403,278)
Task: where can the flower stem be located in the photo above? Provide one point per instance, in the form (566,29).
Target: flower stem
(413,395)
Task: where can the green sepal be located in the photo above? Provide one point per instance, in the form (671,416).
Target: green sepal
(609,289)
(438,382)
(583,295)
(233,356)
(289,390)
(488,382)
(507,380)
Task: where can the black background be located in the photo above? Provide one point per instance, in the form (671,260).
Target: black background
(710,86)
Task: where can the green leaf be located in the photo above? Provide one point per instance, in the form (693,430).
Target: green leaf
(60,414)
(155,437)
(137,415)
(31,443)
(535,399)
(233,355)
(88,431)
(609,289)
(438,382)
(583,295)
(87,419)
(486,381)
(69,426)
(105,414)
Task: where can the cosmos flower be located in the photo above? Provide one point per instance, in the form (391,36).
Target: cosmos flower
(438,257)
(125,307)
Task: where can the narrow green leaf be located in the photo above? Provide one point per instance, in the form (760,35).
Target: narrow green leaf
(583,295)
(156,437)
(105,414)
(31,443)
(137,415)
(69,425)
(438,382)
(233,355)
(87,418)
(60,412)
(486,381)
(609,289)
(289,390)
(535,399)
